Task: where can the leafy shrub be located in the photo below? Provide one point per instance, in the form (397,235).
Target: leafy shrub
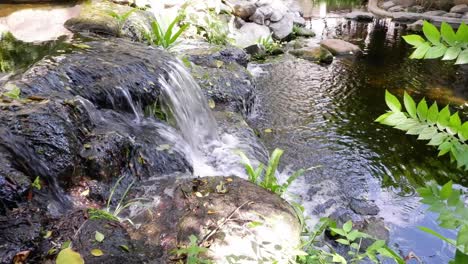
(453,214)
(441,128)
(444,43)
(165,38)
(120,18)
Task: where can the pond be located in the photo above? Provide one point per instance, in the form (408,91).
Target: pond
(323,115)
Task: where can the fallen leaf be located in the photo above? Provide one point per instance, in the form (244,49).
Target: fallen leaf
(229,180)
(99,236)
(254,224)
(21,257)
(220,188)
(211,212)
(219,63)
(68,256)
(268,130)
(66,244)
(84,193)
(198,194)
(97,252)
(211,103)
(124,248)
(47,234)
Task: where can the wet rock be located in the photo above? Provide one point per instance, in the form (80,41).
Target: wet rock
(315,54)
(250,33)
(435,13)
(405,3)
(244,9)
(258,17)
(416,9)
(461,9)
(298,19)
(13,183)
(396,9)
(406,17)
(282,28)
(95,18)
(416,26)
(455,15)
(340,47)
(322,208)
(304,32)
(363,207)
(360,16)
(388,4)
(256,50)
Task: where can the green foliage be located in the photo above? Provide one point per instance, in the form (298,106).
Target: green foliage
(165,38)
(121,18)
(445,44)
(68,256)
(37,183)
(440,127)
(98,214)
(269,181)
(192,252)
(13,93)
(449,204)
(269,44)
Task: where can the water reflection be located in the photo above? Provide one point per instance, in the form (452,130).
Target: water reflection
(33,23)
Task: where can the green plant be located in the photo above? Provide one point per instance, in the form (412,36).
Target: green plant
(165,37)
(269,181)
(444,43)
(441,128)
(192,252)
(449,204)
(121,18)
(269,44)
(37,183)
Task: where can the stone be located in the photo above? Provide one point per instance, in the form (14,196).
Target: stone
(405,3)
(282,28)
(363,207)
(340,47)
(304,32)
(396,8)
(360,16)
(461,9)
(244,10)
(386,5)
(416,9)
(435,13)
(455,15)
(279,11)
(315,54)
(258,17)
(250,33)
(416,26)
(239,22)
(256,50)
(298,19)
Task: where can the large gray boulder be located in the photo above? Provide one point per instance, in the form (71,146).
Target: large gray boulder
(284,27)
(340,47)
(250,33)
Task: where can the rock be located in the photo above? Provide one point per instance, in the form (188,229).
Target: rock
(405,3)
(435,13)
(95,18)
(416,26)
(465,15)
(256,50)
(244,10)
(304,32)
(340,47)
(363,207)
(416,9)
(315,54)
(455,15)
(396,9)
(239,22)
(282,28)
(258,18)
(360,16)
(279,11)
(298,20)
(406,17)
(250,33)
(461,9)
(388,4)
(278,230)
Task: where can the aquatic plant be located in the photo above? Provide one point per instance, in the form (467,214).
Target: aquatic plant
(269,180)
(445,44)
(440,127)
(121,18)
(453,214)
(165,38)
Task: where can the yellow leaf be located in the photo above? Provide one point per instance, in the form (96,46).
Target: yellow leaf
(97,252)
(211,212)
(211,103)
(198,194)
(219,63)
(48,234)
(268,130)
(229,180)
(84,193)
(68,256)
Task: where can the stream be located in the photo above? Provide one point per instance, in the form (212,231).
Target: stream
(322,116)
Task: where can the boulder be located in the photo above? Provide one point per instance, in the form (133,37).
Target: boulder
(360,16)
(405,3)
(416,9)
(250,33)
(416,26)
(460,9)
(396,8)
(315,54)
(303,32)
(435,13)
(282,28)
(388,4)
(363,207)
(455,15)
(298,19)
(244,10)
(340,47)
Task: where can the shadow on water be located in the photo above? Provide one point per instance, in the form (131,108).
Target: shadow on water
(324,115)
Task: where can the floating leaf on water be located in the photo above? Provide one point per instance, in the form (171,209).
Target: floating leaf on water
(68,256)
(211,103)
(97,252)
(84,193)
(268,130)
(47,234)
(124,248)
(99,236)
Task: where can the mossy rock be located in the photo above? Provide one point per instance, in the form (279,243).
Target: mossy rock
(315,54)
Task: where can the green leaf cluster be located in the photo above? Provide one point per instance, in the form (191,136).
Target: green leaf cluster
(446,43)
(14,92)
(442,128)
(165,38)
(269,180)
(192,252)
(121,18)
(449,204)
